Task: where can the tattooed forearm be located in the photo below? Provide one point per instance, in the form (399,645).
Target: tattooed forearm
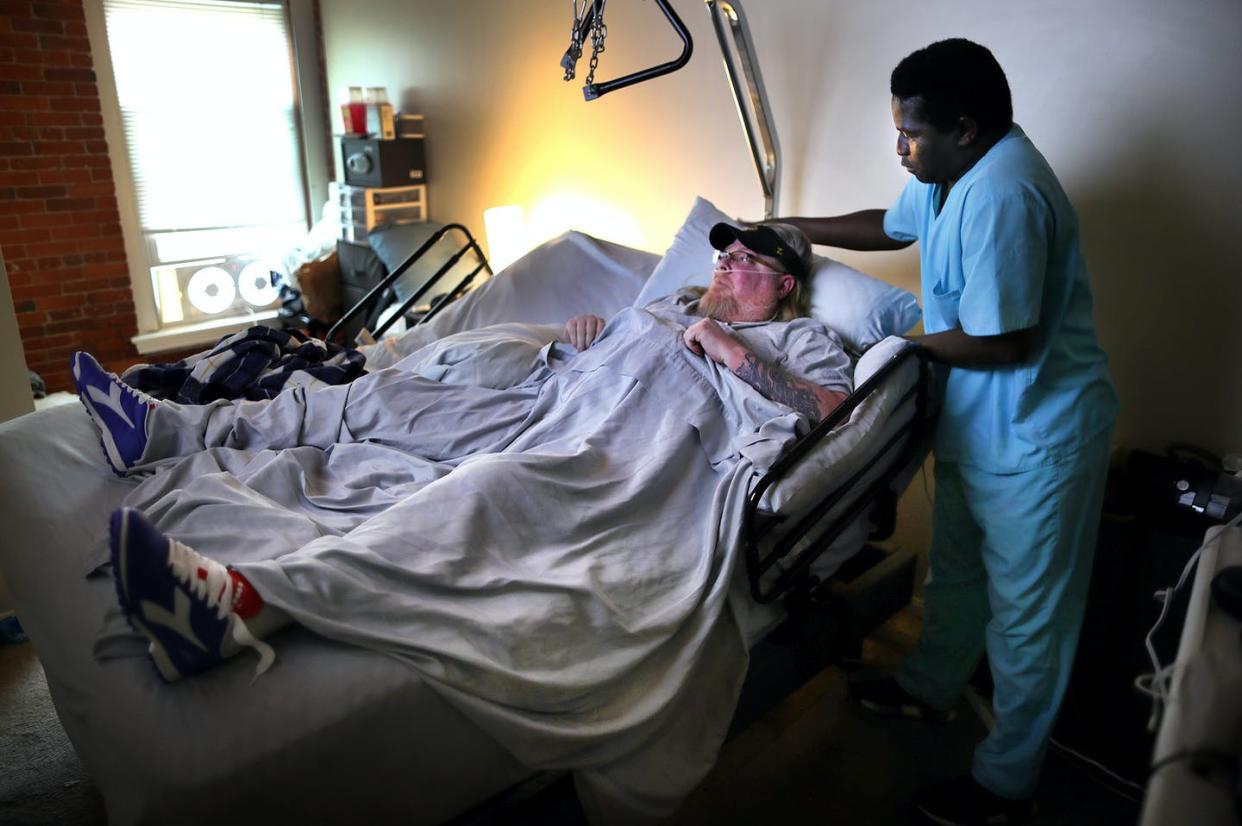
(777,385)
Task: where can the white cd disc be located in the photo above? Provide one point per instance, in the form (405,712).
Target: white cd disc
(255,284)
(211,290)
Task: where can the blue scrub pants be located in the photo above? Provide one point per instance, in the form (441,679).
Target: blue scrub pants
(1009,567)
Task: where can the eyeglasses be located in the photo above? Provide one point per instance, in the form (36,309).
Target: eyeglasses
(742,260)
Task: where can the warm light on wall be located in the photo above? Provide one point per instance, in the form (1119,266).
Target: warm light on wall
(507,239)
(563,211)
(510,234)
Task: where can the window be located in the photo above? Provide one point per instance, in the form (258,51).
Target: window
(207,102)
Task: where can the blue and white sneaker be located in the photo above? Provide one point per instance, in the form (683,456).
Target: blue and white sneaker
(179,599)
(118,410)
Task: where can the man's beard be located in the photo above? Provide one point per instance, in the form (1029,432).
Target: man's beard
(718,304)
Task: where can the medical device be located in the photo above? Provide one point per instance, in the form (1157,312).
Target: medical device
(590,17)
(741,67)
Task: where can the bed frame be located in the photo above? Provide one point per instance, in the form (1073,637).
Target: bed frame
(768,539)
(367,308)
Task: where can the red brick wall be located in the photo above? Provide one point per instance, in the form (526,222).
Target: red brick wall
(59,228)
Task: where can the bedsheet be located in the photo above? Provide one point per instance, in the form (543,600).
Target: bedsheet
(554,559)
(312,742)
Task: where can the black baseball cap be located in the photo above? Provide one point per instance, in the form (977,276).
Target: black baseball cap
(784,242)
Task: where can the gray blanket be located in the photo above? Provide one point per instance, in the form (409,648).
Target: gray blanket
(556,557)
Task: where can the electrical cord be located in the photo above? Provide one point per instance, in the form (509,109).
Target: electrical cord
(1158,684)
(983,708)
(1097,765)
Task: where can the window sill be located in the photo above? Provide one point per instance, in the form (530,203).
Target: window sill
(203,333)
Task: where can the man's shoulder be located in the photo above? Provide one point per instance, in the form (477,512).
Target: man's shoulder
(1014,168)
(811,328)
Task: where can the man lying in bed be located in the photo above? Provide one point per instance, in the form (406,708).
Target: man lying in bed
(761,276)
(759,279)
(555,555)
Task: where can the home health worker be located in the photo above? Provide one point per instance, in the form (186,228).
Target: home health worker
(1021,446)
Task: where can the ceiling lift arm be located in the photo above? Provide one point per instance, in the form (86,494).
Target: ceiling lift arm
(741,67)
(591,18)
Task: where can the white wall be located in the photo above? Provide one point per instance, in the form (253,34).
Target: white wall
(15,396)
(1134,102)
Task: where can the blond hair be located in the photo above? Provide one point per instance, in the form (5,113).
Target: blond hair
(795,304)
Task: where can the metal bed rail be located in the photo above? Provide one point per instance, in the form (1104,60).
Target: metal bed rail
(469,244)
(896,454)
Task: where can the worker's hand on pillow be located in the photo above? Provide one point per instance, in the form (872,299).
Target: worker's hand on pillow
(707,338)
(581,330)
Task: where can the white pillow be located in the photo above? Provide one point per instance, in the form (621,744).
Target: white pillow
(861,309)
(689,260)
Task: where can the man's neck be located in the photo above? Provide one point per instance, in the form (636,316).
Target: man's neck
(979,148)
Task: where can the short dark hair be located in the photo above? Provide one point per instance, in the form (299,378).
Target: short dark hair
(955,78)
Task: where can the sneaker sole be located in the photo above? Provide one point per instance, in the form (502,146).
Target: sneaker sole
(120,550)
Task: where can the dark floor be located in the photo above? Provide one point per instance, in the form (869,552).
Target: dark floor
(814,758)
(41,779)
(818,758)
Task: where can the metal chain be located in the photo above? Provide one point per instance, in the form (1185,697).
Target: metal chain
(598,32)
(575,40)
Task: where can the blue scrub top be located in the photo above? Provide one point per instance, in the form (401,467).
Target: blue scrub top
(1002,255)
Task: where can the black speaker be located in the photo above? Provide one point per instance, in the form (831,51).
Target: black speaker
(383,163)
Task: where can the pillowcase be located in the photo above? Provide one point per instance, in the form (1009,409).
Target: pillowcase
(861,309)
(689,260)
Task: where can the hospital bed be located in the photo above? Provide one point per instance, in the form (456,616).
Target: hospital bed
(335,733)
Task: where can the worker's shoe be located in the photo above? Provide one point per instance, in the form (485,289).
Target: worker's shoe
(178,599)
(888,699)
(119,412)
(963,802)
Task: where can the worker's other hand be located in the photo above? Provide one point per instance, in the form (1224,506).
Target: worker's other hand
(581,330)
(708,338)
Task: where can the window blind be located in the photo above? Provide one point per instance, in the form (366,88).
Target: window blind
(207,100)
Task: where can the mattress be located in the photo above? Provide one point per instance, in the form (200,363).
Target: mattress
(331,727)
(331,731)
